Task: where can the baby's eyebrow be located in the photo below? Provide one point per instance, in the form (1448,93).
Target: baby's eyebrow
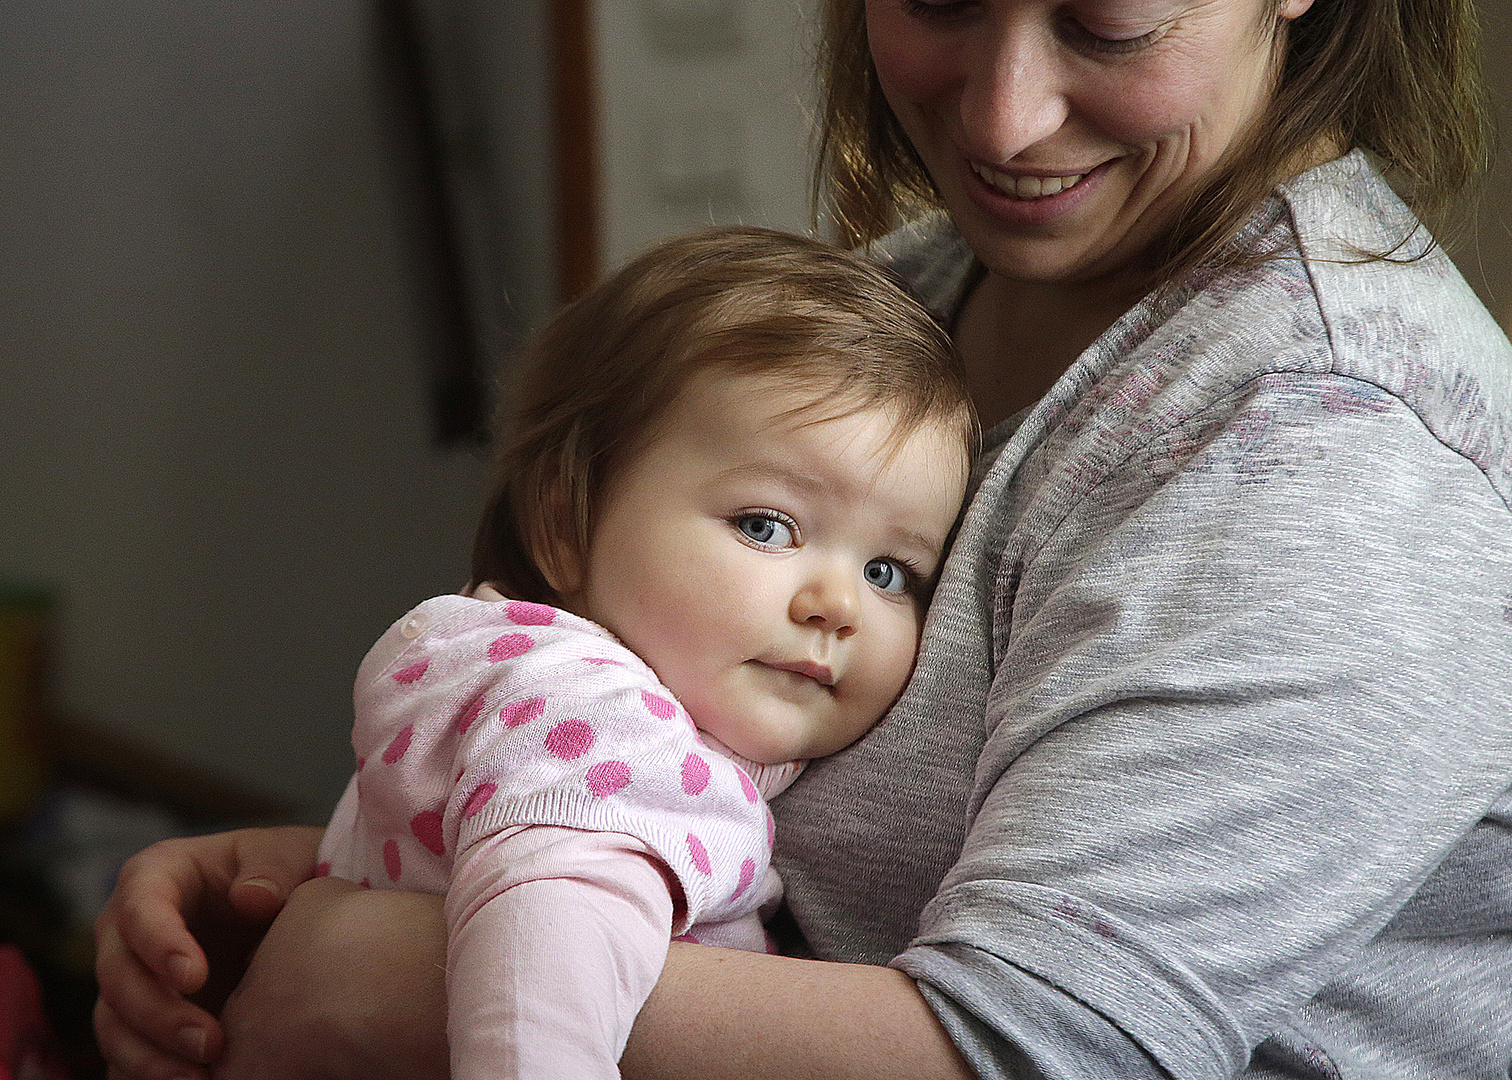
(771,470)
(919,542)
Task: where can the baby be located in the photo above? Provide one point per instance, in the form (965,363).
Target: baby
(705,559)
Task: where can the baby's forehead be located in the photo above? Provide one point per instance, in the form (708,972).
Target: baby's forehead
(741,409)
(948,434)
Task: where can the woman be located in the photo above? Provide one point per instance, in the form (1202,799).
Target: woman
(1204,769)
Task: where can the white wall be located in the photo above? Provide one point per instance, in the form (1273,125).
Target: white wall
(215,436)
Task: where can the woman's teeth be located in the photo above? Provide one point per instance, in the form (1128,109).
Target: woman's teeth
(1026,187)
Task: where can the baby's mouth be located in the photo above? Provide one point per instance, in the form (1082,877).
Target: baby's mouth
(820,673)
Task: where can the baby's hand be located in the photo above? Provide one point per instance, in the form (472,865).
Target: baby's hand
(175,937)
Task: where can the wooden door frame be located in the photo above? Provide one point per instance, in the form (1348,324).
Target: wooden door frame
(574,103)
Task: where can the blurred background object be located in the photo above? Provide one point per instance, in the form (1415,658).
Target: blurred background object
(25,621)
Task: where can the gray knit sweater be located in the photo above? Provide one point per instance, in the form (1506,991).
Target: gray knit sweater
(1204,771)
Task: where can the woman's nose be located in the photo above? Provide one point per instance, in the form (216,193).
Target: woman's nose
(829,600)
(1013,95)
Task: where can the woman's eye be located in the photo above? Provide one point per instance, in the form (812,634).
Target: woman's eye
(765,530)
(886,575)
(1094,42)
(936,9)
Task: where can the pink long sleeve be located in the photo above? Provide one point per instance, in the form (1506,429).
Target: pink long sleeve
(557,936)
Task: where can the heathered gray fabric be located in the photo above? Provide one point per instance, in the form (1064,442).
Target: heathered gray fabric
(1205,768)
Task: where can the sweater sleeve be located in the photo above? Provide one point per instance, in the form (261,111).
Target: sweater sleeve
(1249,694)
(555,938)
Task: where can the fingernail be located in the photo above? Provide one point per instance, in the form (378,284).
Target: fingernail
(182,970)
(192,1041)
(262,883)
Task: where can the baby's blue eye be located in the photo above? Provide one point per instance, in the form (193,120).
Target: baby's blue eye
(765,530)
(886,575)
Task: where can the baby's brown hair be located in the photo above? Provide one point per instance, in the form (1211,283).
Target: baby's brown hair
(597,378)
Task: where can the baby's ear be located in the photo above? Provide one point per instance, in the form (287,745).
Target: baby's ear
(561,566)
(556,549)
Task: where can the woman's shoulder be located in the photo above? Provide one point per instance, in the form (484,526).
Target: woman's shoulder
(1398,314)
(929,255)
(1322,310)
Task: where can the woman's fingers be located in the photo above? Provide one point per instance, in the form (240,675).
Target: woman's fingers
(157,891)
(135,1001)
(131,1056)
(181,923)
(269,865)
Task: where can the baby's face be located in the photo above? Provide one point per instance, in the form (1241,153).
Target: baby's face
(771,569)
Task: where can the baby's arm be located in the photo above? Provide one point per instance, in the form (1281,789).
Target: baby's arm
(556,936)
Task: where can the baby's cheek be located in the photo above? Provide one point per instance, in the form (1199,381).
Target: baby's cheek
(894,661)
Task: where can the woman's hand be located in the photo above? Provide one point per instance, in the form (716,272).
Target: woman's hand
(175,937)
(348,983)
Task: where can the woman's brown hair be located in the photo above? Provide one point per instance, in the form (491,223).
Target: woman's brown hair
(1397,78)
(597,378)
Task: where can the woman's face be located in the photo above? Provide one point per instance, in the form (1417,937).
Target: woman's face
(1064,134)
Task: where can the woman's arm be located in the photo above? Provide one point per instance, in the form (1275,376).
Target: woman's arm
(349,984)
(718,1014)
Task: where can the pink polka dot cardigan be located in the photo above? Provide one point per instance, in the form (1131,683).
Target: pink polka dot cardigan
(477,717)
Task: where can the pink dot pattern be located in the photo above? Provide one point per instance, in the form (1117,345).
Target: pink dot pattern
(695,775)
(470,714)
(521,730)
(412,674)
(527,614)
(607,777)
(478,800)
(522,712)
(658,706)
(400,746)
(699,854)
(508,647)
(426,826)
(747,875)
(570,739)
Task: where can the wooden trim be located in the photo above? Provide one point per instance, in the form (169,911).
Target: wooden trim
(574,97)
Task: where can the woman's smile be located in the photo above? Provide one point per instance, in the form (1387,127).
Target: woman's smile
(1030,200)
(1063,155)
(1026,185)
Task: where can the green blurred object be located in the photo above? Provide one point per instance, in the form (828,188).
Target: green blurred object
(26,612)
